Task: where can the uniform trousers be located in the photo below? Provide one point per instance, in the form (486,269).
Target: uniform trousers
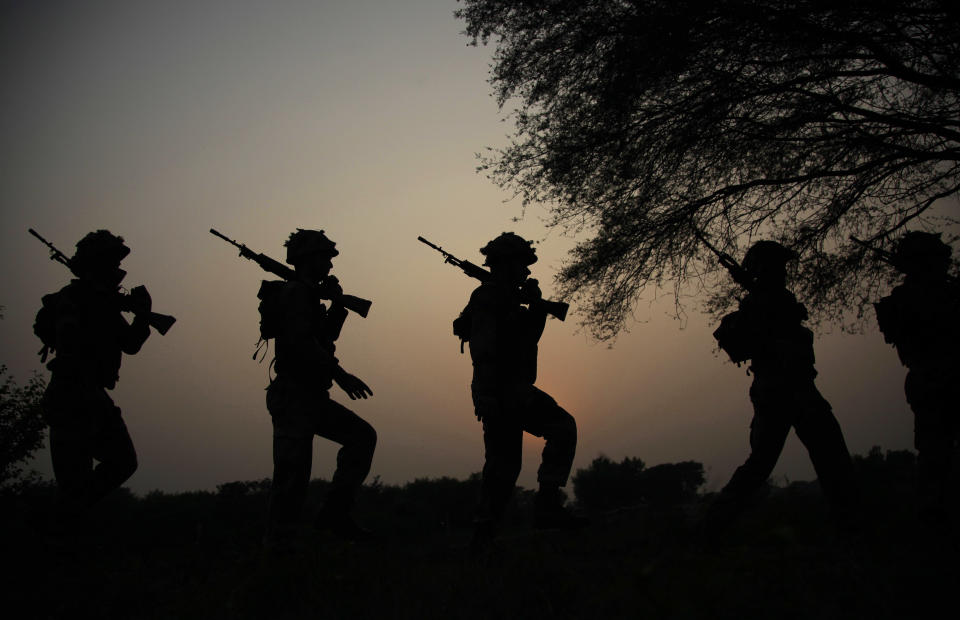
(299,411)
(86,426)
(780,405)
(506,414)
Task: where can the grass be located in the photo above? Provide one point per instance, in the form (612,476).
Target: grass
(198,556)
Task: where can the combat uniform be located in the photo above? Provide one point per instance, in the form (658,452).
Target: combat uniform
(768,330)
(89,336)
(300,406)
(503,348)
(920,318)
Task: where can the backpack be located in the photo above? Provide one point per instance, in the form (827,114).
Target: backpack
(731,338)
(45,324)
(462,326)
(271,316)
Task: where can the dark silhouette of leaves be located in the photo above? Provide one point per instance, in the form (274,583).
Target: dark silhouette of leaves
(642,123)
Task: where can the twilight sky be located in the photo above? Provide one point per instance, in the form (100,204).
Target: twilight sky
(160,120)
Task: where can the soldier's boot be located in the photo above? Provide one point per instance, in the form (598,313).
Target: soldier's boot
(335,518)
(549,512)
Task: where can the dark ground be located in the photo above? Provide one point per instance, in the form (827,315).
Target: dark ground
(197,555)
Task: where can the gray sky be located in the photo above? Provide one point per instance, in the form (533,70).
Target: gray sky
(159,121)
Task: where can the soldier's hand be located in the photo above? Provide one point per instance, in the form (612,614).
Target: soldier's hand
(352,385)
(140,301)
(530,290)
(330,288)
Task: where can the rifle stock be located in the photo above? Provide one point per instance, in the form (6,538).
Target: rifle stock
(161,322)
(357,304)
(556,309)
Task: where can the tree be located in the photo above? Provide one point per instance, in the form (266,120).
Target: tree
(643,124)
(21,427)
(606,484)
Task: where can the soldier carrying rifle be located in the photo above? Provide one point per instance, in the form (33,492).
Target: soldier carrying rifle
(768,330)
(298,399)
(83,325)
(920,318)
(503,322)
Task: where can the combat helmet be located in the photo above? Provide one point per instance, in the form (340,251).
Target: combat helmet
(100,248)
(921,250)
(767,252)
(303,243)
(509,247)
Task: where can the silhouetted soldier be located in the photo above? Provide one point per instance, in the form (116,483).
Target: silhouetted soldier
(767,329)
(299,401)
(82,323)
(503,337)
(921,318)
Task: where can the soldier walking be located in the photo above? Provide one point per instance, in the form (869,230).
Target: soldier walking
(503,336)
(298,399)
(82,323)
(920,318)
(767,330)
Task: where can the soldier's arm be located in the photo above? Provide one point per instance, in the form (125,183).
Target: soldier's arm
(485,324)
(299,338)
(333,323)
(534,318)
(133,335)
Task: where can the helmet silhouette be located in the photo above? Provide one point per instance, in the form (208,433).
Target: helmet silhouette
(100,247)
(509,247)
(305,243)
(767,252)
(919,248)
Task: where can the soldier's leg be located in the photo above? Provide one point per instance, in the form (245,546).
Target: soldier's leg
(358,440)
(91,429)
(114,450)
(768,432)
(936,443)
(72,467)
(818,430)
(503,455)
(292,457)
(543,417)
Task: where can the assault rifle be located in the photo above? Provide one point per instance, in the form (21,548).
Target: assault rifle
(128,302)
(737,272)
(328,289)
(890,259)
(557,309)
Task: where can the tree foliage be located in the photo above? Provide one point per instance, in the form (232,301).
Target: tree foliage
(21,427)
(606,484)
(645,123)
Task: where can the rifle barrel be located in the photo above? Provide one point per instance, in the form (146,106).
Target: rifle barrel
(225,238)
(435,247)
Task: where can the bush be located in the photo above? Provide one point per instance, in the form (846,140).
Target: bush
(606,484)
